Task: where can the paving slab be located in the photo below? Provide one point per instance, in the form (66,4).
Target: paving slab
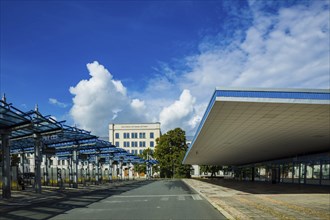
(28,197)
(259,200)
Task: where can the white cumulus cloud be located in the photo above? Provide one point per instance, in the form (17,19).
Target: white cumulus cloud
(101,100)
(179,112)
(288,48)
(57,103)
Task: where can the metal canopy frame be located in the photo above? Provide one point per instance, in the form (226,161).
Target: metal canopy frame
(12,118)
(27,132)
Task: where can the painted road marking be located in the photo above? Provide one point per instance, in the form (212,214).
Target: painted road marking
(163,197)
(196,197)
(137,196)
(181,198)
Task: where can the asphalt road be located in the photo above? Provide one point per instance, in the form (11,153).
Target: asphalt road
(163,199)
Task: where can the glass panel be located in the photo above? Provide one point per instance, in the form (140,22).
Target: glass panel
(287,173)
(302,173)
(316,171)
(309,171)
(296,173)
(260,173)
(325,171)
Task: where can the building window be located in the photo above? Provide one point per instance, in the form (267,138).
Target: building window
(126,135)
(141,151)
(142,135)
(134,144)
(152,144)
(151,134)
(126,143)
(117,135)
(134,135)
(117,144)
(142,144)
(326,171)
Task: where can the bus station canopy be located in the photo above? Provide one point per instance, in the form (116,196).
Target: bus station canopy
(244,126)
(24,127)
(11,118)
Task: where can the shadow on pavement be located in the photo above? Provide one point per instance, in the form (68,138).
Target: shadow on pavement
(177,184)
(46,209)
(267,188)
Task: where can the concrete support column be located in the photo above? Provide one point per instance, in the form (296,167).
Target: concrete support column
(121,168)
(293,172)
(21,163)
(37,160)
(110,169)
(48,169)
(44,157)
(305,172)
(70,171)
(87,171)
(6,191)
(129,170)
(321,172)
(96,169)
(75,168)
(148,170)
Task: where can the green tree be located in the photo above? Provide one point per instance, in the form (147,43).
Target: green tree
(170,151)
(210,169)
(146,154)
(14,160)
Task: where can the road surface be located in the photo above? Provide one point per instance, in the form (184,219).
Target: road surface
(163,199)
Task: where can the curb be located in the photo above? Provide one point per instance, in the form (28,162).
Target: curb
(221,210)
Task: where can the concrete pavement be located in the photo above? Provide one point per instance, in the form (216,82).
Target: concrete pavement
(23,202)
(235,200)
(163,199)
(256,200)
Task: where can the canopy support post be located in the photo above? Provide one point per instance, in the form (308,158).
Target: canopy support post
(37,160)
(6,191)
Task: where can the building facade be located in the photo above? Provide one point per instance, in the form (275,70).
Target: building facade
(260,134)
(134,138)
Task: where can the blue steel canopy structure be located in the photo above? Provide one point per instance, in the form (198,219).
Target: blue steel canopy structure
(12,118)
(23,126)
(23,132)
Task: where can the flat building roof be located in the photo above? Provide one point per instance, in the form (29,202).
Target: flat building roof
(251,125)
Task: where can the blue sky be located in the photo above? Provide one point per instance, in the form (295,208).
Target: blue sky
(96,62)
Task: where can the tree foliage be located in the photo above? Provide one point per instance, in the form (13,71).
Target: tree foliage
(170,151)
(141,168)
(210,169)
(15,160)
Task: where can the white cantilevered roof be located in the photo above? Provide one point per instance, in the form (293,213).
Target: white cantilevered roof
(242,126)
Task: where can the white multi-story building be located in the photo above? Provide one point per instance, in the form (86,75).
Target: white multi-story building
(134,138)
